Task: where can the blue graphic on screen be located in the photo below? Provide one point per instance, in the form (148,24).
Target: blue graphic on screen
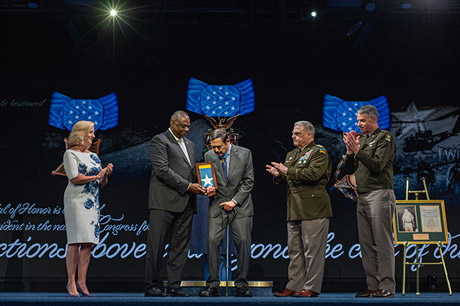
(220,100)
(65,111)
(340,115)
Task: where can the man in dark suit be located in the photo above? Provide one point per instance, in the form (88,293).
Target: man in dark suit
(306,171)
(172,203)
(232,201)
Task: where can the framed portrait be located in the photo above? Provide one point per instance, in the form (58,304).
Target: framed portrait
(206,174)
(420,222)
(407,217)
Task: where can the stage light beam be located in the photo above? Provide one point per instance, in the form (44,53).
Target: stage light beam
(113,12)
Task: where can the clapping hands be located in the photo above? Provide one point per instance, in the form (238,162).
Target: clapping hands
(105,172)
(351,141)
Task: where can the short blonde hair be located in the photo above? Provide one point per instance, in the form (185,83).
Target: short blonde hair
(79,130)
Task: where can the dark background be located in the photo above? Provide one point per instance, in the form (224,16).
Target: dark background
(147,57)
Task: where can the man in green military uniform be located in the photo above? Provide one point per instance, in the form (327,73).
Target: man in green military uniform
(306,171)
(370,156)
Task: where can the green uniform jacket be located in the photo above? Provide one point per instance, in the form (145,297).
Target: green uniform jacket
(373,164)
(308,173)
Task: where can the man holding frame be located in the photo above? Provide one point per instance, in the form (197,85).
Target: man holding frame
(232,204)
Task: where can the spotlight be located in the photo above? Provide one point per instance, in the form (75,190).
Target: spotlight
(113,13)
(314,14)
(32,5)
(370,6)
(407,5)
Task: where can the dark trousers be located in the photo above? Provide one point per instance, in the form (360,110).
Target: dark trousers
(241,232)
(165,224)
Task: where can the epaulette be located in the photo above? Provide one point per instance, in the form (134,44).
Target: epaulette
(321,149)
(387,135)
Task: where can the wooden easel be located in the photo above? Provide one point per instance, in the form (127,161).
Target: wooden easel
(407,243)
(94,148)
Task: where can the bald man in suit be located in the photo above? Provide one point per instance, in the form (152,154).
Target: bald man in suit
(172,203)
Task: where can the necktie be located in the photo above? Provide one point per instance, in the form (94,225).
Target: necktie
(184,149)
(224,166)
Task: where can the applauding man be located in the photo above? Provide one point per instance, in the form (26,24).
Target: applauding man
(306,171)
(370,156)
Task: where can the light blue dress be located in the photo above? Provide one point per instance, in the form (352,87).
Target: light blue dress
(81,202)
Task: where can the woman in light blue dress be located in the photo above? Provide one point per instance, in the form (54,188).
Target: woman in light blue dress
(81,204)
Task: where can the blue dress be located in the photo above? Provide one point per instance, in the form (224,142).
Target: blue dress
(81,202)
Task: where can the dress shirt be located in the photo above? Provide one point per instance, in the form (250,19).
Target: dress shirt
(181,143)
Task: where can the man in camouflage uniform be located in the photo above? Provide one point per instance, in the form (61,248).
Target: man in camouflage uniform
(370,156)
(306,171)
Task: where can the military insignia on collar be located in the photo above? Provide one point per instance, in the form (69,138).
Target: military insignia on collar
(388,137)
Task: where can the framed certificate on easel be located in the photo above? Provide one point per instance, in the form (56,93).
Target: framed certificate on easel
(420,222)
(206,174)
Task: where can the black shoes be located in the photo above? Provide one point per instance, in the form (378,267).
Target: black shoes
(154,291)
(157,292)
(376,293)
(243,292)
(214,292)
(209,292)
(82,293)
(178,292)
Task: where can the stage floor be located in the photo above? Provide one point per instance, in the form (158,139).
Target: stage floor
(108,299)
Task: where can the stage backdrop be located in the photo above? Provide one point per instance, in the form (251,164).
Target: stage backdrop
(32,231)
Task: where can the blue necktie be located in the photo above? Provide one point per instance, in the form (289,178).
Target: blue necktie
(224,166)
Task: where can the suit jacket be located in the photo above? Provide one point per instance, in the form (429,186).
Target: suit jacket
(308,173)
(171,174)
(239,184)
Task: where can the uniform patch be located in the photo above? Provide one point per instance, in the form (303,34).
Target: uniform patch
(322,150)
(388,137)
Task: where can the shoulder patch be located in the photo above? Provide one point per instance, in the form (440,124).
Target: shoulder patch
(388,137)
(321,149)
